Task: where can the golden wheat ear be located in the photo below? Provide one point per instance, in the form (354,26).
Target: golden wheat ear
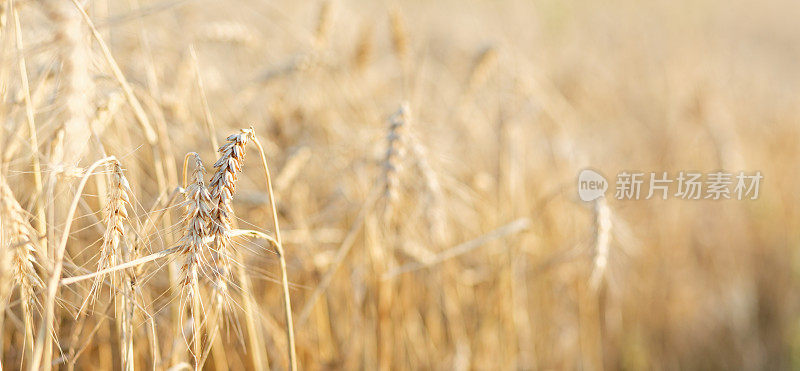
(192,248)
(115,217)
(223,187)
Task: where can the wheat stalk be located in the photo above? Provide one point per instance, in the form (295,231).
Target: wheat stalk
(278,243)
(41,225)
(602,240)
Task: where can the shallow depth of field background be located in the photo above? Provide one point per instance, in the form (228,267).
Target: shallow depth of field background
(510,99)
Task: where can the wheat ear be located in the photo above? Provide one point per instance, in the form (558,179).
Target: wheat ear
(223,186)
(192,247)
(116,250)
(393,160)
(23,257)
(365,47)
(324,23)
(115,216)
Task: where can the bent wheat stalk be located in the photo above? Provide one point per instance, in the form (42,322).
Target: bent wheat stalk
(159,255)
(48,316)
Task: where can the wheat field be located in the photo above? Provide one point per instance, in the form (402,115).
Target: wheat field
(356,185)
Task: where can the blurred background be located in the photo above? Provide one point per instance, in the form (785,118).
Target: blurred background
(466,246)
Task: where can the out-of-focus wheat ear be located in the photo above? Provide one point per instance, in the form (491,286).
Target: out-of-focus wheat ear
(482,65)
(399,35)
(141,117)
(76,94)
(602,241)
(324,24)
(393,163)
(20,242)
(209,119)
(365,47)
(393,160)
(434,207)
(192,248)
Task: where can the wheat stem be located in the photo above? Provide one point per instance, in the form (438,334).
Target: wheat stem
(287,301)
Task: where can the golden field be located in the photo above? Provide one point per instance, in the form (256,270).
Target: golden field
(421,208)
